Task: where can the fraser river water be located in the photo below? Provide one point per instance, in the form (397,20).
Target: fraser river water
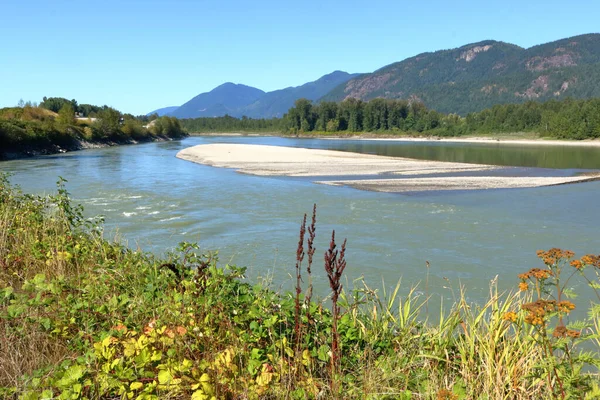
(153,200)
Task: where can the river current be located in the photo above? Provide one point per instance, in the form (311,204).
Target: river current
(153,201)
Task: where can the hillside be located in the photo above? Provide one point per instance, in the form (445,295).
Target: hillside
(224,99)
(275,104)
(479,75)
(163,111)
(241,100)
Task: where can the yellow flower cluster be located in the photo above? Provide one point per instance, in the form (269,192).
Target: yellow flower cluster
(577,264)
(590,259)
(554,255)
(538,310)
(510,316)
(536,273)
(565,306)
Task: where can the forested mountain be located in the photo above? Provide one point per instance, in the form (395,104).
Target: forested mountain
(240,100)
(163,111)
(275,104)
(224,99)
(480,75)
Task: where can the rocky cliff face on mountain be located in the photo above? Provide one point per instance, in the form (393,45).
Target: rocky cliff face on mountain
(479,75)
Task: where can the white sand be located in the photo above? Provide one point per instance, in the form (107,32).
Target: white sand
(291,161)
(288,161)
(456,183)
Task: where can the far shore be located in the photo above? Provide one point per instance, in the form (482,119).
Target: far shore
(365,171)
(500,139)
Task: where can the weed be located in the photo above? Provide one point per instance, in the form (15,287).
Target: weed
(83,317)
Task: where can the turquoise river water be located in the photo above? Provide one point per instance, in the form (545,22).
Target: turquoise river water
(153,200)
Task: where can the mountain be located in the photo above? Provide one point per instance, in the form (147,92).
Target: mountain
(224,99)
(163,111)
(277,103)
(241,100)
(479,75)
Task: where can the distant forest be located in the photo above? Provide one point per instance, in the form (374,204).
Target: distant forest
(566,119)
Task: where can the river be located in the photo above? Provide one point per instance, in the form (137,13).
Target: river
(153,200)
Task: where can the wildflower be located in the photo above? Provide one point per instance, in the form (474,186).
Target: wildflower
(445,394)
(536,311)
(560,331)
(510,316)
(150,327)
(577,264)
(568,254)
(534,319)
(524,276)
(573,334)
(590,259)
(565,306)
(119,328)
(523,286)
(587,259)
(540,253)
(540,274)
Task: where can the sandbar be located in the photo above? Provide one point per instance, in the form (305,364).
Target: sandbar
(377,173)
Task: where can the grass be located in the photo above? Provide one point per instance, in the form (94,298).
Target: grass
(83,317)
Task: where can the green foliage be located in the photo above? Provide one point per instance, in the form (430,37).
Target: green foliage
(34,130)
(81,317)
(231,124)
(108,124)
(66,116)
(167,126)
(57,103)
(567,119)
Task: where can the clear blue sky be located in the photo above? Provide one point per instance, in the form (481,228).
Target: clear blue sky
(141,55)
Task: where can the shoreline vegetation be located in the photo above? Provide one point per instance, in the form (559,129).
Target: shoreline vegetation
(82,317)
(59,125)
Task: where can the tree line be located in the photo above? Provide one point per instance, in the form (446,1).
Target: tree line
(566,119)
(82,110)
(231,124)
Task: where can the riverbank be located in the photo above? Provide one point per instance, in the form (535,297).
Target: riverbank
(74,145)
(401,174)
(83,317)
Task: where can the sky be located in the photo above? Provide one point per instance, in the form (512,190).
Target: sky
(138,56)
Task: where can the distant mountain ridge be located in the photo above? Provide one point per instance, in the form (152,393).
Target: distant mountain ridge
(462,80)
(163,111)
(224,99)
(239,100)
(277,103)
(479,75)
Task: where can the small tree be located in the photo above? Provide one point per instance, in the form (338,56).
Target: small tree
(66,116)
(108,123)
